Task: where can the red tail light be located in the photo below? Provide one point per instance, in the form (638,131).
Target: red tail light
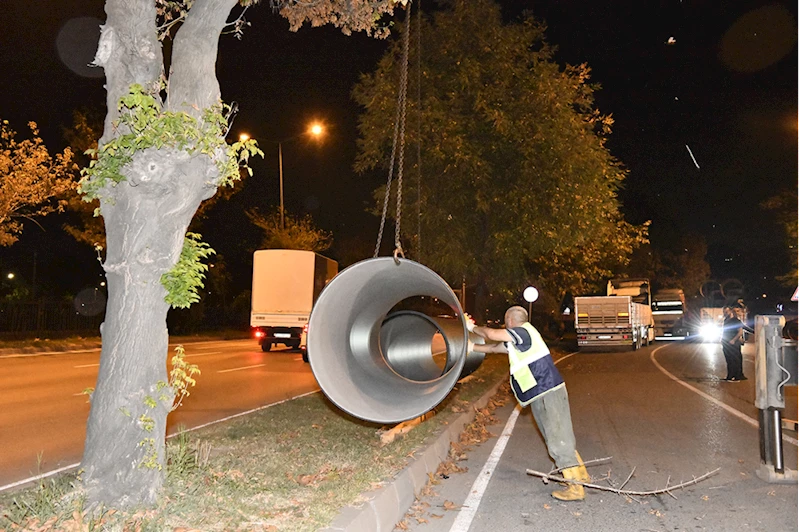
(305,328)
(259,333)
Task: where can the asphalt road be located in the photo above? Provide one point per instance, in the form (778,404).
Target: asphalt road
(661,412)
(43,411)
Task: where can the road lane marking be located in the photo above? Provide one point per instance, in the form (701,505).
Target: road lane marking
(73,466)
(38,477)
(46,353)
(472,502)
(242,414)
(737,413)
(204,354)
(237,369)
(469,508)
(87,365)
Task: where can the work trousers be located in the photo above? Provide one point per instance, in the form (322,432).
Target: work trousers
(734,359)
(553,416)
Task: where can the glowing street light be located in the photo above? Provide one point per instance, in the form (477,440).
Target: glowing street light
(315,130)
(530,295)
(10,275)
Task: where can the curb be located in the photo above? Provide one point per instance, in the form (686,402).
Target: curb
(386,506)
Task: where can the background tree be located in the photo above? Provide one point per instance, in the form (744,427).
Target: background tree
(162,152)
(784,207)
(85,226)
(682,263)
(518,185)
(32,183)
(296,233)
(684,266)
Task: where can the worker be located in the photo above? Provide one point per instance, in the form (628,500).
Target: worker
(537,382)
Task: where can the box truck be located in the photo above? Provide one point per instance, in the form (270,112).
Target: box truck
(623,318)
(285,285)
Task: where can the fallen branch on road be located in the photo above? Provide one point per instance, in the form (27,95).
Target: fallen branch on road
(668,489)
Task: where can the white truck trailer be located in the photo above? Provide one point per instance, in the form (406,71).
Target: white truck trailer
(285,286)
(623,318)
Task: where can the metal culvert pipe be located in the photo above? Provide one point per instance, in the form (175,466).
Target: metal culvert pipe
(376,364)
(406,341)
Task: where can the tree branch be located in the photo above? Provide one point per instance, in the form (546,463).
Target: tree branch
(668,489)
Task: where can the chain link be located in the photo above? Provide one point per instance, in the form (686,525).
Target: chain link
(399,135)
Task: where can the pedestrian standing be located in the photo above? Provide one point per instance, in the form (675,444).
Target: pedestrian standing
(537,382)
(731,339)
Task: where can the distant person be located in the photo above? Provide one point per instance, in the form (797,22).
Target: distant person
(731,339)
(537,382)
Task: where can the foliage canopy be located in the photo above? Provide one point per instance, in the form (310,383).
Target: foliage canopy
(517,184)
(296,233)
(32,182)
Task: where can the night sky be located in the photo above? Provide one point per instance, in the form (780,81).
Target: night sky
(704,95)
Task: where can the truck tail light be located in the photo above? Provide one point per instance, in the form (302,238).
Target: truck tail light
(258,333)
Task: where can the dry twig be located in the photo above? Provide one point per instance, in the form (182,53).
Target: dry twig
(621,491)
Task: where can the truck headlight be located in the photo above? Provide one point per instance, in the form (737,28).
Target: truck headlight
(710,332)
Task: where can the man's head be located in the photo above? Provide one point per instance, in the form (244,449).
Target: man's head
(728,312)
(515,317)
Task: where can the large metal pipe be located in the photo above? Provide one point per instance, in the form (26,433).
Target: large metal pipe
(376,364)
(407,338)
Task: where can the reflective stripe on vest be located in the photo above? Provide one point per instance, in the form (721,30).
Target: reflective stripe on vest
(520,361)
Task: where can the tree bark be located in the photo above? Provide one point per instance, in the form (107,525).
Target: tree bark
(146,217)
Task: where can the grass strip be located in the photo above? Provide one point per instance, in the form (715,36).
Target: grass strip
(291,467)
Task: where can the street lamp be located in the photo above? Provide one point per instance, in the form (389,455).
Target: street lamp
(315,130)
(530,295)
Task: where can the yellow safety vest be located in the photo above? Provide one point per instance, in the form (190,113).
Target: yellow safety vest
(520,360)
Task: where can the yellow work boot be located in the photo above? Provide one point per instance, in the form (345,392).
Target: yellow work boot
(573,492)
(583,475)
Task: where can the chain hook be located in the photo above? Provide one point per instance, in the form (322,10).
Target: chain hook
(398,253)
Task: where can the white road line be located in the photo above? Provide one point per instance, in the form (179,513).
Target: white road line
(204,354)
(73,466)
(45,353)
(469,509)
(472,502)
(171,347)
(196,355)
(241,414)
(731,410)
(38,477)
(237,369)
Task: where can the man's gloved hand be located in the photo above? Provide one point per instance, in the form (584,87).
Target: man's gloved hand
(469,322)
(469,346)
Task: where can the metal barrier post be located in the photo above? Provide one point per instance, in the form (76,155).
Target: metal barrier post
(775,367)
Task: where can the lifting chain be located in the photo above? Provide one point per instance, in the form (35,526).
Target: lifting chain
(399,137)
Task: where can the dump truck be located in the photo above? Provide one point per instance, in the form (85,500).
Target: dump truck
(623,318)
(285,286)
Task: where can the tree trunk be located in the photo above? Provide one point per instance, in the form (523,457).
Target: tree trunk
(146,217)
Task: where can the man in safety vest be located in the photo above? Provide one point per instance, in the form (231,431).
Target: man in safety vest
(537,382)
